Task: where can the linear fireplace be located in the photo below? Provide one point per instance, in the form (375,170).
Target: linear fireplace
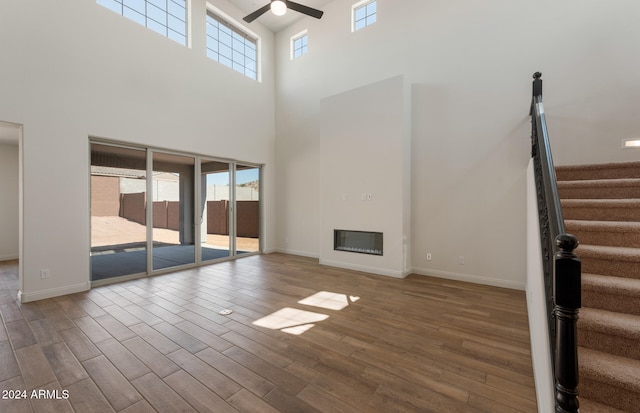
(362,242)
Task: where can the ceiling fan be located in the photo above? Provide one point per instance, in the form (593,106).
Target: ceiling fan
(279,8)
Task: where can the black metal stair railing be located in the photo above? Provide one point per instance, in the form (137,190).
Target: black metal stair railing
(561,266)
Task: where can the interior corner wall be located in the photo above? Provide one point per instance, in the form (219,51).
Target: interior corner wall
(469,65)
(73,70)
(9,217)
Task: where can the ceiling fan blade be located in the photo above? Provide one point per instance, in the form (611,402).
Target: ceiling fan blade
(262,10)
(309,11)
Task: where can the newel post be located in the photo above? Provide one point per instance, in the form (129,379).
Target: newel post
(567,304)
(537,84)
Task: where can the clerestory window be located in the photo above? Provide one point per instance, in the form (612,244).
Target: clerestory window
(231,46)
(299,44)
(364,14)
(167,17)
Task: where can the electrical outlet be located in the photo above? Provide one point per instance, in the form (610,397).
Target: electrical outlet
(461,260)
(369,197)
(45,273)
(428,256)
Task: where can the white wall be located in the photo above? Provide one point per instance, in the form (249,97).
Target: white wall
(73,69)
(9,213)
(593,103)
(470,65)
(363,136)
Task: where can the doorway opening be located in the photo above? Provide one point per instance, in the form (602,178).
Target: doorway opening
(11,282)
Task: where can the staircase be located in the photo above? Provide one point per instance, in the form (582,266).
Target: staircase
(601,206)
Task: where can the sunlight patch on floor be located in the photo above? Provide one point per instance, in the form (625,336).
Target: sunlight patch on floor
(295,321)
(290,320)
(328,300)
(297,330)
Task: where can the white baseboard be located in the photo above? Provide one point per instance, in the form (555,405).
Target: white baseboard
(53,292)
(496,282)
(296,252)
(365,268)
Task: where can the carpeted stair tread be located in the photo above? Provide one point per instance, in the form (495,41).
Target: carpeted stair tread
(609,379)
(589,203)
(601,209)
(609,233)
(610,253)
(612,261)
(600,188)
(598,171)
(604,225)
(607,368)
(625,286)
(600,183)
(589,406)
(610,322)
(611,293)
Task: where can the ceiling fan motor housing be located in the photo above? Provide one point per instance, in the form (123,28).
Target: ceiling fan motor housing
(279,7)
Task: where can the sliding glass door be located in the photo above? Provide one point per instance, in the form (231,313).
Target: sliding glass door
(247,217)
(173,188)
(118,211)
(152,210)
(215,206)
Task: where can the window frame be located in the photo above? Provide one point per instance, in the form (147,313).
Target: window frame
(304,49)
(357,6)
(237,28)
(136,16)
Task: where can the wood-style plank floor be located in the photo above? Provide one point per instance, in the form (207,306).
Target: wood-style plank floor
(301,338)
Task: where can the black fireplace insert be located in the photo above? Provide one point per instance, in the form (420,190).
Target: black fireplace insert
(362,242)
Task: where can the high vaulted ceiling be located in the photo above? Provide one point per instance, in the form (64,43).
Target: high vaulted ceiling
(269,20)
